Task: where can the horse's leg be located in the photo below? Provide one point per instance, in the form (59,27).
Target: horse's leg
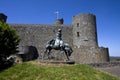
(66,53)
(43,55)
(49,53)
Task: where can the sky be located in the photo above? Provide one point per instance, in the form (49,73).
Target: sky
(42,12)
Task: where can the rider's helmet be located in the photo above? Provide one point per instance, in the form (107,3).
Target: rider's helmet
(59,30)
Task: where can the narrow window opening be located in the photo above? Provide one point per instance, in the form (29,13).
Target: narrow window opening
(78,34)
(77,24)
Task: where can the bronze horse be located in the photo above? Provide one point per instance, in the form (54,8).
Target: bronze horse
(51,45)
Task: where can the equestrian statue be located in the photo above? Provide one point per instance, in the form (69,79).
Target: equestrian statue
(58,44)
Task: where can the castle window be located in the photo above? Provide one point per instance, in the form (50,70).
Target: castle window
(78,34)
(77,24)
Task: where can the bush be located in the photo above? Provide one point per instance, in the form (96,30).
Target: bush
(8,42)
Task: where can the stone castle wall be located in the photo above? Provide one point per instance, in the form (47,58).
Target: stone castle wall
(39,34)
(87,54)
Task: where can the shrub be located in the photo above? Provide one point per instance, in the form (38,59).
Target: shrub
(8,42)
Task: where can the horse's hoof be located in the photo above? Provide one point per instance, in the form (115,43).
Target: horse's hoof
(66,60)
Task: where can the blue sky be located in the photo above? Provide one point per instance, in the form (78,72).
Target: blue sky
(42,12)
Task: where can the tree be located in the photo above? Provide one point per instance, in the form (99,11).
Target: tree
(9,41)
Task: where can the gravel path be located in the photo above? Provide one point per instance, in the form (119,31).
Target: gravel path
(115,70)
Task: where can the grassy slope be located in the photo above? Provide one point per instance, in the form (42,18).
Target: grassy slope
(30,71)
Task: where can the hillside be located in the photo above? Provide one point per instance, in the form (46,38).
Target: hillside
(114,58)
(35,71)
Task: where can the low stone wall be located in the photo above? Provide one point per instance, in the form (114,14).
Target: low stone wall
(105,64)
(88,54)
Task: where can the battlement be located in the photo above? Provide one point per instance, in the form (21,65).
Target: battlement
(40,25)
(84,14)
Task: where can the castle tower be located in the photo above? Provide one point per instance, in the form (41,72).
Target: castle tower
(59,21)
(86,49)
(3,17)
(84,30)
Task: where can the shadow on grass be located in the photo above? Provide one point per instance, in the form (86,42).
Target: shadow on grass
(5,65)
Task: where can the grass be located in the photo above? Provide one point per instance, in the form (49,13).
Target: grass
(35,71)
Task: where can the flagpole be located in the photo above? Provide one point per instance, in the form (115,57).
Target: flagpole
(57,14)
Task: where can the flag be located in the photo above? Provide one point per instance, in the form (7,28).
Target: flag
(56,12)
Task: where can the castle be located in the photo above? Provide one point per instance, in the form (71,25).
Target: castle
(81,35)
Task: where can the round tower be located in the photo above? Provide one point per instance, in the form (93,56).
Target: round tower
(84,30)
(86,49)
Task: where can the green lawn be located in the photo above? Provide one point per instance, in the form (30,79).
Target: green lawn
(34,71)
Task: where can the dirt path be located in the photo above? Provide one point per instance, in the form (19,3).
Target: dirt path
(112,70)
